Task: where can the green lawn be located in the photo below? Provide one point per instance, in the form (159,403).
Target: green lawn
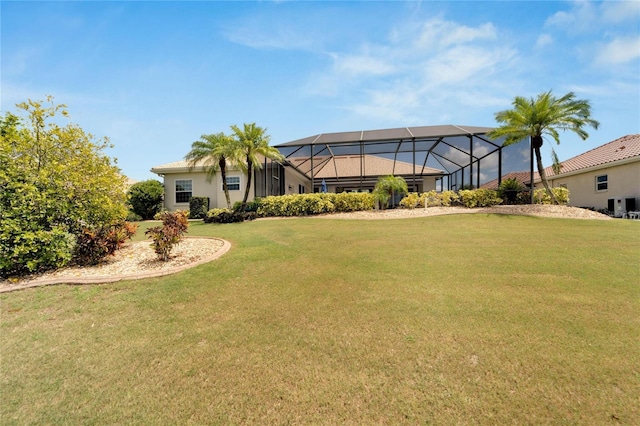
(463,319)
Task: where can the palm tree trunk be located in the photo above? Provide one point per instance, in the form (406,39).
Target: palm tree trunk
(543,176)
(246,191)
(223,172)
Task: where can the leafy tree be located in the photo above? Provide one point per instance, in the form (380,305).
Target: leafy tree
(214,153)
(543,116)
(145,198)
(387,186)
(54,182)
(253,143)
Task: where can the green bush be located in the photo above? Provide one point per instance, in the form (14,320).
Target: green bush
(198,207)
(509,189)
(466,197)
(174,226)
(133,217)
(33,251)
(228,216)
(471,198)
(540,196)
(145,198)
(252,206)
(54,181)
(352,201)
(312,204)
(412,200)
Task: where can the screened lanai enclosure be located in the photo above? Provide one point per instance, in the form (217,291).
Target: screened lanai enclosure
(446,157)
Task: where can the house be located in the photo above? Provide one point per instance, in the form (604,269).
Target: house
(606,177)
(340,174)
(427,157)
(181,182)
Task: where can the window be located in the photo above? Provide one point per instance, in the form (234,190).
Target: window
(301,189)
(602,183)
(183,190)
(233,183)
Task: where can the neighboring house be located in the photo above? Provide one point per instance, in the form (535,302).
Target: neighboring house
(130,182)
(606,177)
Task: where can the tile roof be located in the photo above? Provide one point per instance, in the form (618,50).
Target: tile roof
(346,166)
(522,177)
(617,150)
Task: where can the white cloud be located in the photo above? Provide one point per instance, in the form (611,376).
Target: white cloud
(439,34)
(584,16)
(619,51)
(461,64)
(421,68)
(283,38)
(579,19)
(620,11)
(543,41)
(361,65)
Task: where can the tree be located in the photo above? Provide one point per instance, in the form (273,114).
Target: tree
(540,117)
(214,153)
(387,186)
(145,198)
(253,143)
(54,182)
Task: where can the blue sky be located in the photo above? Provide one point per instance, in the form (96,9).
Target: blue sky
(154,76)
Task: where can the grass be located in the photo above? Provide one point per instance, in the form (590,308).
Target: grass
(469,319)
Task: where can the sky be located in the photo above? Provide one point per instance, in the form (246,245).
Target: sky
(154,76)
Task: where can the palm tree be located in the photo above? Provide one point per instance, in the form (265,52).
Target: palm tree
(214,152)
(543,116)
(253,143)
(387,186)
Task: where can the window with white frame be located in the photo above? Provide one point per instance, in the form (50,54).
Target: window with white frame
(602,183)
(184,188)
(233,183)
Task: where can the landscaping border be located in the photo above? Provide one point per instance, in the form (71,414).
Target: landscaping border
(226,246)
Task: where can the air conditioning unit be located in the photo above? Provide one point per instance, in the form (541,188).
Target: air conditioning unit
(619,207)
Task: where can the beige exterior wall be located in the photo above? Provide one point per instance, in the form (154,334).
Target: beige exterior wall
(202,188)
(293,181)
(213,189)
(623,181)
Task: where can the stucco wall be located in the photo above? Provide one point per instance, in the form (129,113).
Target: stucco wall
(623,182)
(202,188)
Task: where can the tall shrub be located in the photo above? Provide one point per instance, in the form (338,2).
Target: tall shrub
(55,180)
(145,198)
(198,207)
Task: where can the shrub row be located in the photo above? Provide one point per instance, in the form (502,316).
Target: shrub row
(478,198)
(228,216)
(467,197)
(312,204)
(540,196)
(37,250)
